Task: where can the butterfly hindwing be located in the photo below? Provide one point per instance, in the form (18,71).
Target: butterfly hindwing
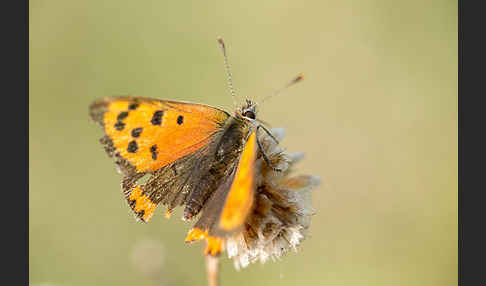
(228,207)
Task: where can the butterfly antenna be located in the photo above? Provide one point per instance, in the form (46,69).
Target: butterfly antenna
(278,91)
(226,64)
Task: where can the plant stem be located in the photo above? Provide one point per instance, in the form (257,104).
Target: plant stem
(212,270)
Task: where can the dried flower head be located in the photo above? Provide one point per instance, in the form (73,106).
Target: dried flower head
(280,214)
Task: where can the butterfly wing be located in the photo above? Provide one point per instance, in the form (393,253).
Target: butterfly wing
(151,133)
(240,196)
(229,206)
(161,137)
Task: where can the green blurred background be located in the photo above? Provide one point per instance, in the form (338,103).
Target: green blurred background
(376,117)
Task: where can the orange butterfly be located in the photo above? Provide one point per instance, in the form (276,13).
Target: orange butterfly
(197,155)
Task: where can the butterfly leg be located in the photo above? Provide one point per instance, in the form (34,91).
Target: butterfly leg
(269,133)
(263,151)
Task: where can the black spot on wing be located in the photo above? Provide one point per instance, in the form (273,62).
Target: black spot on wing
(132,147)
(136,132)
(154,152)
(180,119)
(157,117)
(133,106)
(119,125)
(122,115)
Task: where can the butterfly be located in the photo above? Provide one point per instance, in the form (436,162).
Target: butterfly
(197,156)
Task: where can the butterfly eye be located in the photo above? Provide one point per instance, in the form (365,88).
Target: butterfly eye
(249,114)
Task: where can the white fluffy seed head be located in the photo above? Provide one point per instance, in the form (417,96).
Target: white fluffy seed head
(287,201)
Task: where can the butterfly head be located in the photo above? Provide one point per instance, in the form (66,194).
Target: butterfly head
(248,110)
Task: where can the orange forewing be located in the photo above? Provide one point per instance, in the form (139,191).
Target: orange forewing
(183,129)
(240,197)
